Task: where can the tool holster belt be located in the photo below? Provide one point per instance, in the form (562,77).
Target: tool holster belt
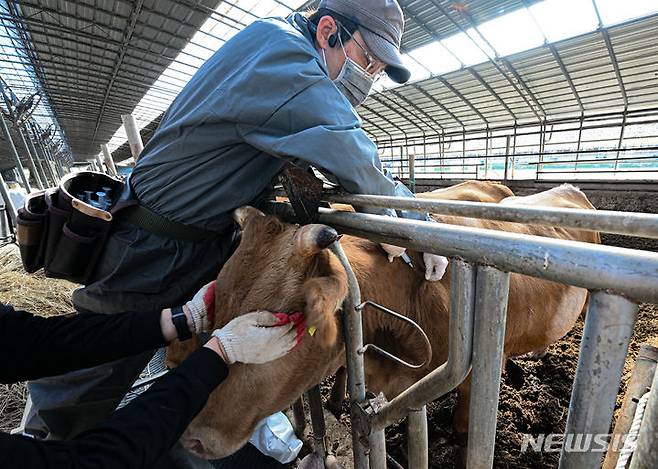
(157,224)
(60,232)
(66,236)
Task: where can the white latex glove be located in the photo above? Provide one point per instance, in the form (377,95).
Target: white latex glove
(392,251)
(435,266)
(202,308)
(256,338)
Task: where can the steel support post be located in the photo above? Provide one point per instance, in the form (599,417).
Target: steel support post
(646,452)
(412,172)
(132,132)
(53,161)
(356,381)
(99,164)
(491,294)
(109,162)
(14,152)
(28,138)
(377,455)
(603,348)
(417,446)
(9,205)
(44,156)
(31,158)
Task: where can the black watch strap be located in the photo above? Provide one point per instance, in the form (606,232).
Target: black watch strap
(180,323)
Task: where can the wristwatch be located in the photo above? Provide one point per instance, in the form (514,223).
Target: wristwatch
(180,323)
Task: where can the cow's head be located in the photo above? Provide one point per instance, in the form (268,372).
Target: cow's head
(281,268)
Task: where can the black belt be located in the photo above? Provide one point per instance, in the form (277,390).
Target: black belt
(161,226)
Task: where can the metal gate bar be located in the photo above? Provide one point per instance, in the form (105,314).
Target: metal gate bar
(584,265)
(356,381)
(603,349)
(606,221)
(491,293)
(417,445)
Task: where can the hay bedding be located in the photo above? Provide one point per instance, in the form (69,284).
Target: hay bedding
(36,294)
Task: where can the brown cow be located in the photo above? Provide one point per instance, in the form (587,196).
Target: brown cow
(284,267)
(473,191)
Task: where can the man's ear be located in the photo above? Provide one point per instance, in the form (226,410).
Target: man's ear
(326,28)
(324,297)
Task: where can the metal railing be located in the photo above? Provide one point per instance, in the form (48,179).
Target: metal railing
(481,261)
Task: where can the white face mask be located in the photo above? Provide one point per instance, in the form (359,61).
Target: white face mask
(353,80)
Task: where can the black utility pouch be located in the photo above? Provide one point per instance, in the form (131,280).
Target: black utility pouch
(31,223)
(73,231)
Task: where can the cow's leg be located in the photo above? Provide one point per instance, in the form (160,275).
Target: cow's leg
(335,402)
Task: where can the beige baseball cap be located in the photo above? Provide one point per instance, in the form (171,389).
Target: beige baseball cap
(381,24)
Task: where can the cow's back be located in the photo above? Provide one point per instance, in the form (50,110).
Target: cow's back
(470,191)
(564,196)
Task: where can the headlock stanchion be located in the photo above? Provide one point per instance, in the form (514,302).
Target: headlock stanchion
(603,348)
(492,287)
(356,380)
(616,278)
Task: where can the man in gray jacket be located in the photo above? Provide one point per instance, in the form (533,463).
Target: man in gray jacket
(281,90)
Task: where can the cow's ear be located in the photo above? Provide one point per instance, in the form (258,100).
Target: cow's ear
(311,239)
(324,297)
(242,214)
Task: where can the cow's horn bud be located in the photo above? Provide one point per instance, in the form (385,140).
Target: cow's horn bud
(242,214)
(311,239)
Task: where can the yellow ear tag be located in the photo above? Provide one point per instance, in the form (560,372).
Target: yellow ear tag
(312,330)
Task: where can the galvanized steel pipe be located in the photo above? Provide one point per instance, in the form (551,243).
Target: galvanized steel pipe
(417,445)
(30,159)
(377,450)
(14,152)
(632,224)
(37,160)
(603,348)
(353,333)
(9,204)
(574,263)
(491,294)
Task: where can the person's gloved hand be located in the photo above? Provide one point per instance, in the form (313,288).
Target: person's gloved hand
(202,308)
(392,251)
(435,266)
(256,337)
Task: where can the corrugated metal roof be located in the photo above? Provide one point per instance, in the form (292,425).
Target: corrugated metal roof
(431,20)
(97,58)
(571,77)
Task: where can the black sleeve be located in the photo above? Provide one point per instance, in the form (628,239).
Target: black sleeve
(41,347)
(137,436)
